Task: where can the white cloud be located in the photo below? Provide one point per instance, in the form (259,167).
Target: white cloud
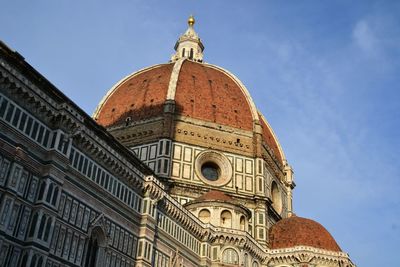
(365,38)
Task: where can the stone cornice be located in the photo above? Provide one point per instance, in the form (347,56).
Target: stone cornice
(305,254)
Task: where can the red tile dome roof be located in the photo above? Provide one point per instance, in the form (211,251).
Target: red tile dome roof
(297,231)
(139,96)
(207,93)
(215,195)
(201,91)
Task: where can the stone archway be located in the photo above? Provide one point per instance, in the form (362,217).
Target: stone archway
(97,244)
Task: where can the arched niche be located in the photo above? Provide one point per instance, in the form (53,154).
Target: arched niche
(276,197)
(226,219)
(205,215)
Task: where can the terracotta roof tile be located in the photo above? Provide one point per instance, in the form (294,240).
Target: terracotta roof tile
(297,231)
(202,92)
(214,195)
(209,94)
(140,97)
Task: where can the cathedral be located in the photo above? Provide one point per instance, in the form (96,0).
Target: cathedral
(176,167)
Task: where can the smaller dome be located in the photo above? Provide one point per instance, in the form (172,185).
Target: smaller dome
(215,195)
(297,231)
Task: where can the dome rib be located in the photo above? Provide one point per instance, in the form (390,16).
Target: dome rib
(211,94)
(271,139)
(242,87)
(173,81)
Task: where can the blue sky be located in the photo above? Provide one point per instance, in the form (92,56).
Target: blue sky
(324,73)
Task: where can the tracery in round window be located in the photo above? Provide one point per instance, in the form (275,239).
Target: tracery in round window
(211,171)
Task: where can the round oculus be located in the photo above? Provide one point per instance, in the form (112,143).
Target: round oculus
(213,168)
(211,171)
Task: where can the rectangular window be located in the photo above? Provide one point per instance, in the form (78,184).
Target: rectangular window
(102,178)
(22,122)
(114,187)
(85,164)
(110,186)
(34,130)
(60,142)
(53,140)
(159,166)
(76,159)
(71,156)
(46,138)
(165,166)
(40,135)
(106,182)
(3,107)
(261,233)
(65,149)
(29,126)
(10,111)
(80,163)
(16,117)
(118,190)
(89,172)
(94,172)
(99,173)
(125,194)
(129,197)
(167,144)
(139,204)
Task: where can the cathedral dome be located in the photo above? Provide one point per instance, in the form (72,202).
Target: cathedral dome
(297,231)
(199,92)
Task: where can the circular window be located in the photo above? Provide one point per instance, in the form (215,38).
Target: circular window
(213,168)
(210,171)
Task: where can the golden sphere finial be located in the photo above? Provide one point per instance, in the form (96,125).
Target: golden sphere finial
(191,20)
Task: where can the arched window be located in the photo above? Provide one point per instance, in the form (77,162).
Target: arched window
(40,262)
(24,259)
(183,52)
(97,241)
(255,264)
(49,192)
(47,231)
(226,219)
(41,227)
(33,261)
(191,53)
(33,225)
(204,215)
(55,195)
(242,223)
(276,198)
(92,250)
(246,260)
(230,256)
